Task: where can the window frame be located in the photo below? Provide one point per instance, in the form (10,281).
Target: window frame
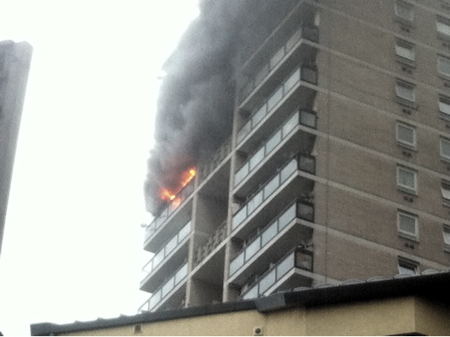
(444,100)
(441,141)
(404,44)
(408,235)
(402,142)
(407,264)
(443,21)
(445,236)
(408,6)
(439,60)
(405,188)
(445,186)
(407,85)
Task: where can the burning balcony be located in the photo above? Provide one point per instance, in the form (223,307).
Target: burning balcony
(293,270)
(171,254)
(273,241)
(292,180)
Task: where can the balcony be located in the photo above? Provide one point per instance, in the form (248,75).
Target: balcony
(273,241)
(284,142)
(174,250)
(293,270)
(293,91)
(278,65)
(290,182)
(167,290)
(156,232)
(209,165)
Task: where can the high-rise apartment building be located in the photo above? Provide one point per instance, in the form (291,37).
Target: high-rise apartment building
(14,65)
(338,161)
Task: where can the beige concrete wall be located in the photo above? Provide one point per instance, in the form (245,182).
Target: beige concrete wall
(383,317)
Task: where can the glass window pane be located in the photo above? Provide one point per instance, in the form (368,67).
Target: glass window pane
(259,115)
(405,269)
(308,119)
(444,65)
(309,75)
(292,81)
(256,158)
(405,50)
(236,263)
(275,98)
(406,134)
(445,148)
(443,28)
(407,223)
(293,39)
(252,293)
(244,131)
(446,234)
(261,74)
(404,10)
(239,217)
(406,178)
(181,274)
(268,234)
(290,124)
(286,217)
(171,245)
(286,265)
(405,91)
(267,282)
(158,258)
(252,249)
(154,300)
(167,288)
(306,211)
(241,174)
(307,164)
(444,106)
(184,232)
(287,171)
(273,142)
(303,260)
(271,186)
(445,189)
(277,57)
(255,202)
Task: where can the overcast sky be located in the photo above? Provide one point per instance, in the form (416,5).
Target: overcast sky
(72,247)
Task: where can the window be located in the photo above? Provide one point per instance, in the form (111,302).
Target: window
(407,225)
(404,10)
(405,91)
(406,135)
(443,65)
(405,50)
(407,179)
(445,148)
(445,190)
(446,235)
(407,267)
(444,106)
(443,26)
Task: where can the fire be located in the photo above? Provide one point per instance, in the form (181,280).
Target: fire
(186,178)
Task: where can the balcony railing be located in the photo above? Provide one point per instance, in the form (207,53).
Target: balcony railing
(300,209)
(304,73)
(308,33)
(213,241)
(165,290)
(304,117)
(299,258)
(168,248)
(209,165)
(301,162)
(169,210)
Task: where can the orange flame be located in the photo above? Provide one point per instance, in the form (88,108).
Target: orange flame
(186,178)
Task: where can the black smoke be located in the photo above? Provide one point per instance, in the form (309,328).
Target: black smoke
(195,106)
